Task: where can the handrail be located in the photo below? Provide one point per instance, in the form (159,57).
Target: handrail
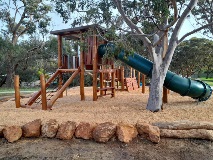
(37,94)
(62,89)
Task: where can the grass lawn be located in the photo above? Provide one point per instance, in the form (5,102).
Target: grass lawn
(209,81)
(11,91)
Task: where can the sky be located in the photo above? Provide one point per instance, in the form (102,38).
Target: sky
(58,24)
(189,25)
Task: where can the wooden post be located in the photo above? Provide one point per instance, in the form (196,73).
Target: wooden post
(139,79)
(130,72)
(122,78)
(165,95)
(60,81)
(133,73)
(95,67)
(101,81)
(43,92)
(17,91)
(143,83)
(56,96)
(82,73)
(113,81)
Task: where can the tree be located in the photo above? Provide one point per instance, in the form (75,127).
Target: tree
(203,14)
(158,16)
(191,56)
(21,17)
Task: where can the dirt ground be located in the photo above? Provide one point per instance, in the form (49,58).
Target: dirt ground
(76,149)
(127,107)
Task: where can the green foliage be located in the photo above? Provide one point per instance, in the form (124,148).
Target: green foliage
(193,56)
(24,17)
(203,14)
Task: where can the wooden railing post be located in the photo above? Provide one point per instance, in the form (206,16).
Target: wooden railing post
(143,83)
(165,95)
(122,78)
(43,92)
(95,67)
(17,91)
(60,81)
(113,81)
(82,72)
(139,79)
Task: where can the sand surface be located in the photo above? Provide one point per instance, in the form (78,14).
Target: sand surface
(127,107)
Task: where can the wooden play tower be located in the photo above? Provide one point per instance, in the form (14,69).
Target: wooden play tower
(87,60)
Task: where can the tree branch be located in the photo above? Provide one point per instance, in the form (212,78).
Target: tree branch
(194,31)
(146,41)
(174,3)
(160,39)
(174,38)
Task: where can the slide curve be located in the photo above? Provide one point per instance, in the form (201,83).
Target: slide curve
(195,89)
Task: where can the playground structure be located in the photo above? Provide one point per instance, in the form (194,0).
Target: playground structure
(87,61)
(90,61)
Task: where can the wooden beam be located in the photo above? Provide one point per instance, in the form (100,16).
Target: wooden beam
(133,73)
(36,95)
(43,92)
(107,70)
(122,78)
(60,81)
(113,81)
(101,83)
(95,65)
(82,65)
(67,70)
(165,95)
(17,91)
(59,92)
(139,79)
(143,83)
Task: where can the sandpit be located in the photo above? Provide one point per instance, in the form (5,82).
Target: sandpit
(126,107)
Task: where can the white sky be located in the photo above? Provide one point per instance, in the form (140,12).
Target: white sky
(188,26)
(57,24)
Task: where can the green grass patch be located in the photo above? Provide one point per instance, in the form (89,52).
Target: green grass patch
(209,81)
(21,89)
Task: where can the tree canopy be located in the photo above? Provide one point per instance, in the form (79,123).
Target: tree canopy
(193,56)
(155,23)
(21,17)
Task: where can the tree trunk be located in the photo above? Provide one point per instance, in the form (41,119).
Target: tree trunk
(156,88)
(207,75)
(10,75)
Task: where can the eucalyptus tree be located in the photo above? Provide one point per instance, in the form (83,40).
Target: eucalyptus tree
(192,56)
(19,18)
(203,14)
(155,23)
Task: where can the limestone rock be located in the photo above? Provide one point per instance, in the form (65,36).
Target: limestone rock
(84,130)
(126,132)
(192,133)
(153,132)
(66,130)
(12,133)
(104,131)
(32,129)
(49,129)
(184,124)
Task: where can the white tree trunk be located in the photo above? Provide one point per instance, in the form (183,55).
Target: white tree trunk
(156,88)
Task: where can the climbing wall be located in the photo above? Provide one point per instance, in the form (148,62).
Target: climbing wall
(131,84)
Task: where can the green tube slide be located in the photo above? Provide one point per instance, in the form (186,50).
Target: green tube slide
(184,86)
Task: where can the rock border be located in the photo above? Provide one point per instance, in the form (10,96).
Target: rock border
(104,132)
